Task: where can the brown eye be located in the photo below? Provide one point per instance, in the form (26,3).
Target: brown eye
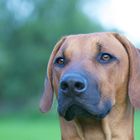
(105,57)
(60,61)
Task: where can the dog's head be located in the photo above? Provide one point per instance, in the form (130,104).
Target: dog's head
(90,74)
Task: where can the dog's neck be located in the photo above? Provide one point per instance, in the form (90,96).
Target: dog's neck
(118,125)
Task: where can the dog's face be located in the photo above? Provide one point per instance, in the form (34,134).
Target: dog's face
(87,70)
(90,74)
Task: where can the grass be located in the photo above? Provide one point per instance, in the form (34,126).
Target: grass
(46,128)
(137,126)
(29,129)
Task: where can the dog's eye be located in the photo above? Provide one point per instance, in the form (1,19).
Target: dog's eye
(59,61)
(105,58)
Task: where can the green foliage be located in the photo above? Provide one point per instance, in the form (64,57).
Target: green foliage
(26,43)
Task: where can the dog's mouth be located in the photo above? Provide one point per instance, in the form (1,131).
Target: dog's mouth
(76,111)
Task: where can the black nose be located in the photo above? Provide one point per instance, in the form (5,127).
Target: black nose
(73,84)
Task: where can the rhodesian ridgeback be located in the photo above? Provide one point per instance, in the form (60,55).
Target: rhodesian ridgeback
(96,80)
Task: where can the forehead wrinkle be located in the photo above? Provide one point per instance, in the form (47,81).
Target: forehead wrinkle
(81,46)
(63,51)
(94,46)
(99,46)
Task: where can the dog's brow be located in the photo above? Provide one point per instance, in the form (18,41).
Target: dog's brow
(99,46)
(63,51)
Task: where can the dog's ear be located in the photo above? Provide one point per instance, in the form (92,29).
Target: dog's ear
(134,70)
(47,98)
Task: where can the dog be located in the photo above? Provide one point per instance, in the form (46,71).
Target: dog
(96,80)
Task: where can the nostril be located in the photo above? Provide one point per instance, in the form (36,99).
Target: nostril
(79,85)
(64,85)
(73,84)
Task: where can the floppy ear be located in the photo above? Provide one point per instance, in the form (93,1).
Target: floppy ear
(47,98)
(134,70)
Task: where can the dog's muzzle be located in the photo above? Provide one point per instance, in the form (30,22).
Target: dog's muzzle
(80,97)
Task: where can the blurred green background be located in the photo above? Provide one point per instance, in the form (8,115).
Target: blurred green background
(28,31)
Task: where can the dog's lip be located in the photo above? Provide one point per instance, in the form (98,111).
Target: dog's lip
(79,103)
(66,109)
(72,112)
(88,109)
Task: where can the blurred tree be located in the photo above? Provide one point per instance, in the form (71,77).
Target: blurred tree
(29,29)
